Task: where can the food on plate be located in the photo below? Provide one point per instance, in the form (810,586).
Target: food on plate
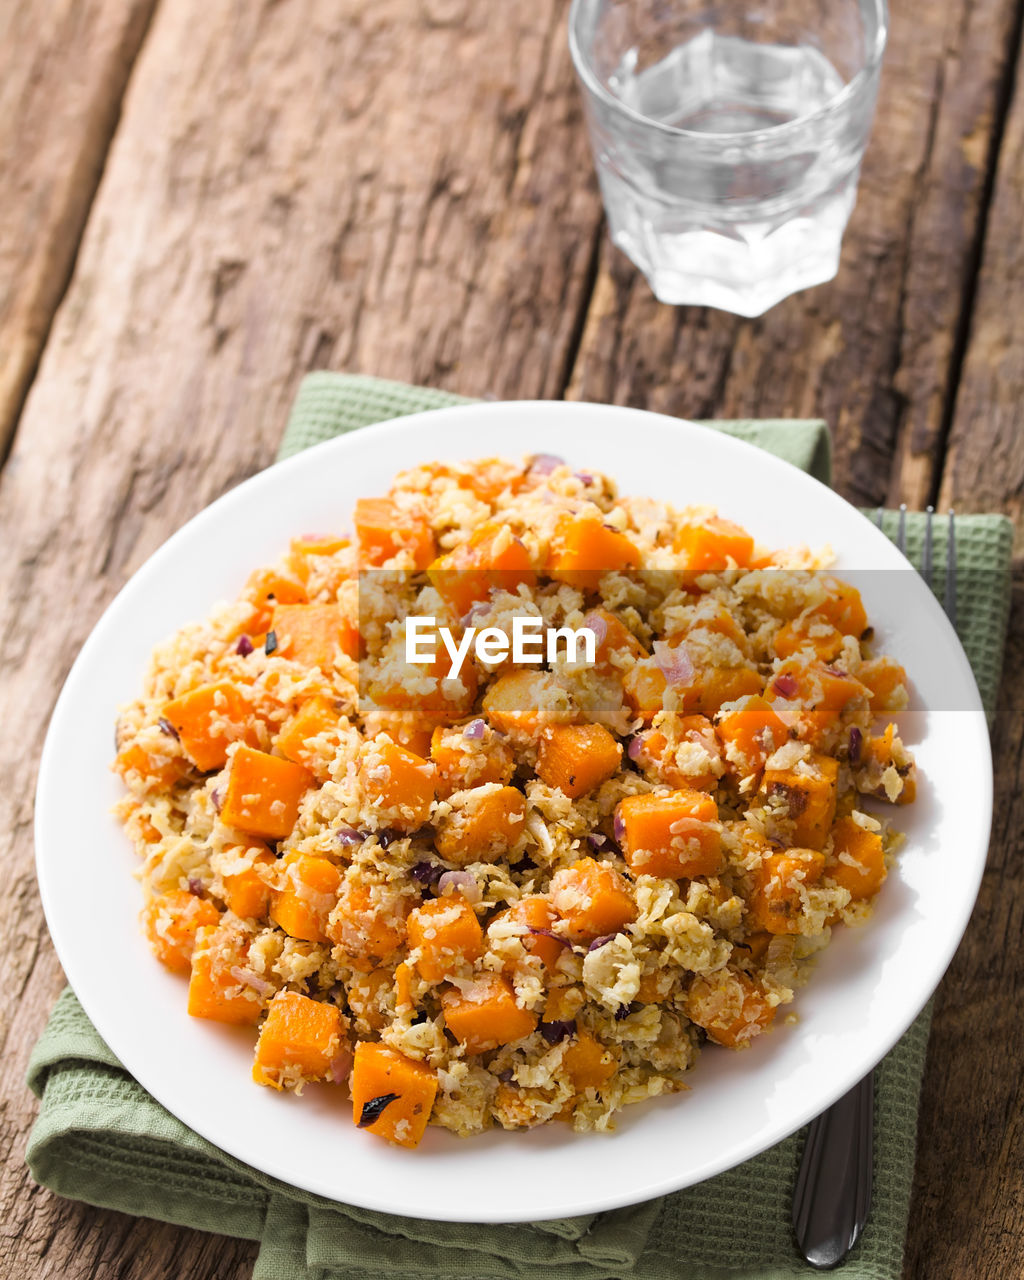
(497,810)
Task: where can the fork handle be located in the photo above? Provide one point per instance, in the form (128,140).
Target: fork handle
(833,1186)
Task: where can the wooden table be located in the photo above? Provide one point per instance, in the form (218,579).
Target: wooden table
(202,202)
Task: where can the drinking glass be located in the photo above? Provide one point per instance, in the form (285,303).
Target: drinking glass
(728,137)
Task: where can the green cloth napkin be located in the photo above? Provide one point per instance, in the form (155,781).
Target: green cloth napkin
(101,1138)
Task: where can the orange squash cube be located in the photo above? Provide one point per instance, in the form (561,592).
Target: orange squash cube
(307,898)
(310,545)
(264,589)
(520,702)
(593,899)
(315,717)
(588,1063)
(400,785)
(584,549)
(665,763)
(427,688)
(486,1015)
(392,1095)
(298,1041)
(730,1006)
(207,720)
(214,990)
(247,893)
(484,823)
(677,836)
(714,545)
(820,692)
(644,686)
(809,794)
(534,912)
(383,530)
(493,559)
(776,905)
(447,935)
(314,634)
(576,758)
(147,772)
(463,761)
(368,924)
(858,859)
(715,686)
(171,922)
(750,732)
(263,793)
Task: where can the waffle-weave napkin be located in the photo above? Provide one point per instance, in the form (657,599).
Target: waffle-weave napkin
(101,1138)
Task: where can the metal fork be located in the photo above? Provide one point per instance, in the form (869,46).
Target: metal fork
(832,1197)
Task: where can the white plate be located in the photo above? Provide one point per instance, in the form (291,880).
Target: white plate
(869,984)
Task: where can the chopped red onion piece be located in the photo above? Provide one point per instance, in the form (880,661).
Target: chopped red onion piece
(785,685)
(196,887)
(856,738)
(584,477)
(596,840)
(249,979)
(427,872)
(600,942)
(619,827)
(636,748)
(167,728)
(463,882)
(506,1076)
(597,624)
(474,730)
(548,933)
(623,1011)
(340,1066)
(244,646)
(674,663)
(542,464)
(553,1032)
(215,798)
(347,836)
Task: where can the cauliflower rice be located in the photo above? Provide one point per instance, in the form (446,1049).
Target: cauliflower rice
(520,893)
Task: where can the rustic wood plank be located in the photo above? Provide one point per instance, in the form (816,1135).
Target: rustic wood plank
(985,466)
(63,68)
(872,351)
(968,1202)
(402,189)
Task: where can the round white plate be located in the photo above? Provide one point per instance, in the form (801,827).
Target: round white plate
(869,984)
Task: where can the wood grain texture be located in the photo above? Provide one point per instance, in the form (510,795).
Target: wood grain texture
(871,351)
(985,465)
(401,189)
(63,68)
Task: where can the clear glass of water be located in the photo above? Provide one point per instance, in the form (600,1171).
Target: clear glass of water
(728,137)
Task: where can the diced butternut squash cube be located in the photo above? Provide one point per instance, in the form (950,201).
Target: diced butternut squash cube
(588,1063)
(691,759)
(315,717)
(266,588)
(314,635)
(750,732)
(399,785)
(584,549)
(617,647)
(298,1041)
(392,1095)
(384,530)
(644,687)
(367,995)
(676,835)
(820,693)
(470,755)
(482,824)
(593,899)
(528,917)
(886,683)
(521,702)
(777,904)
(809,631)
(208,720)
(171,922)
(426,687)
(447,935)
(576,758)
(493,559)
(731,1007)
(307,897)
(263,793)
(309,547)
(858,859)
(715,686)
(714,545)
(145,771)
(247,892)
(808,792)
(368,923)
(485,1015)
(216,990)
